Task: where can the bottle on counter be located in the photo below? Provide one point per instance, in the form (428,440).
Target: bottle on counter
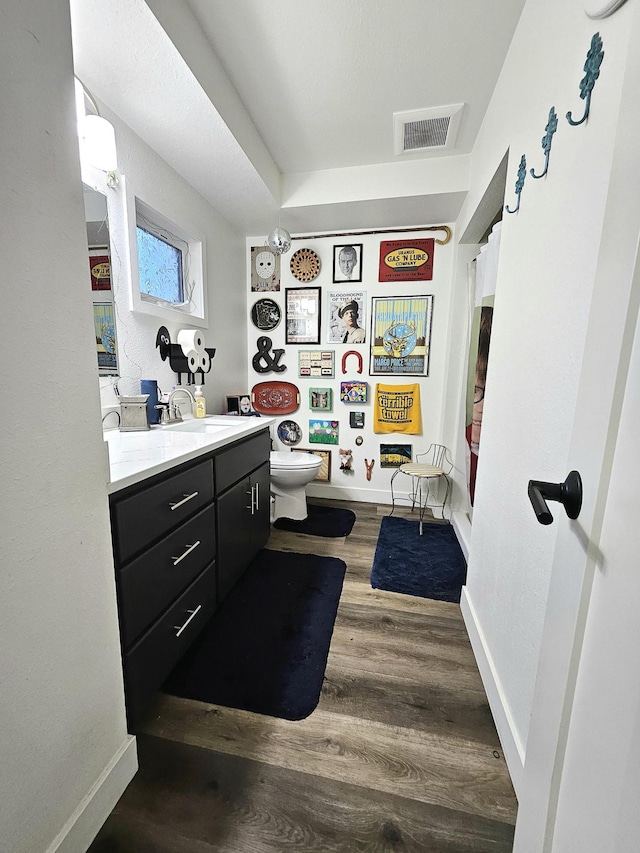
(200,408)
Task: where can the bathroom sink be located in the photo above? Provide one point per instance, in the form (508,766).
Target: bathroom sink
(206,425)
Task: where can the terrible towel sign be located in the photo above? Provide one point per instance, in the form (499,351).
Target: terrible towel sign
(410,260)
(397,409)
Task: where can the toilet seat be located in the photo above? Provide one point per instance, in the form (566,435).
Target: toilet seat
(280,460)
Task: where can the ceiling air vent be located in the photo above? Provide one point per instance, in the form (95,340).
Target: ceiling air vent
(423,130)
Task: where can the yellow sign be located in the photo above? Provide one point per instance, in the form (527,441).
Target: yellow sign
(407,257)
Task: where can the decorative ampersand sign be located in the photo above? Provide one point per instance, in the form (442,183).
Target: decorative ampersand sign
(270,362)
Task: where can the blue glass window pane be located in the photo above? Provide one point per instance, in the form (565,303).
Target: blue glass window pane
(159,267)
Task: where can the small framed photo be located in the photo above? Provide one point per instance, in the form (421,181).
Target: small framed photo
(320,398)
(347,262)
(395,455)
(354,392)
(323,432)
(324,472)
(303,315)
(316,363)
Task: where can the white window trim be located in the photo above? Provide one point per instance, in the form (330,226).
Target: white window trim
(197,315)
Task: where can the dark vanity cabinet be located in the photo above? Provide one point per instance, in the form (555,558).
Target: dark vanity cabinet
(181,540)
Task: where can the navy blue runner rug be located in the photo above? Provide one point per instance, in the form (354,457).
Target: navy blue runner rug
(265,649)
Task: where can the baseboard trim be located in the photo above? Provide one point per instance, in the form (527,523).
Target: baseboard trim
(462,528)
(512,746)
(85,823)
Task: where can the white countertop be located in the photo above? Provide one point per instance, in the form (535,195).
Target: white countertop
(134,456)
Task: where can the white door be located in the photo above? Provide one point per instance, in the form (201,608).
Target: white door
(581,784)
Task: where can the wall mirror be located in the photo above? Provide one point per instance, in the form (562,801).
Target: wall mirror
(101,281)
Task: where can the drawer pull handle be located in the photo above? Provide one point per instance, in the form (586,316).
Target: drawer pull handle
(189,548)
(193,613)
(251,507)
(257,496)
(183,501)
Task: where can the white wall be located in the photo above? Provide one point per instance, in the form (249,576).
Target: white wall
(545,277)
(434,388)
(64,738)
(149,178)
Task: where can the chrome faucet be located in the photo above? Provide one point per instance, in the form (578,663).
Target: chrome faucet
(175,415)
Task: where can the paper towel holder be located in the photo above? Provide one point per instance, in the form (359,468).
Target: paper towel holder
(177,358)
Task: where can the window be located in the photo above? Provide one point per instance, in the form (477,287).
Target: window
(167,265)
(161,264)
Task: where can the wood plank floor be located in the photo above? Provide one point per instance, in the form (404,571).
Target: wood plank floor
(401,753)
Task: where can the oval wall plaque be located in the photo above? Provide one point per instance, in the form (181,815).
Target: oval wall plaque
(275,398)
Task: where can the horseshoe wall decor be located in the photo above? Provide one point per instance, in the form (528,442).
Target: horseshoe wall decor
(344,360)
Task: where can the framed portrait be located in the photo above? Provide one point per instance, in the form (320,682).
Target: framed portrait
(316,363)
(346,316)
(395,455)
(323,432)
(347,262)
(302,315)
(265,269)
(320,399)
(401,335)
(324,472)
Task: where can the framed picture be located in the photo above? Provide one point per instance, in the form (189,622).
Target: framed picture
(395,455)
(347,262)
(104,322)
(354,392)
(323,432)
(324,472)
(303,315)
(346,317)
(406,260)
(320,398)
(265,269)
(401,335)
(316,363)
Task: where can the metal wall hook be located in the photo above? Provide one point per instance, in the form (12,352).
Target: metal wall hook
(592,65)
(522,174)
(550,129)
(569,494)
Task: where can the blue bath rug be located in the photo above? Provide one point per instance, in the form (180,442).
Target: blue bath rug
(265,649)
(429,566)
(329,521)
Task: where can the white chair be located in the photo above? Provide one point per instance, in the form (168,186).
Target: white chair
(429,468)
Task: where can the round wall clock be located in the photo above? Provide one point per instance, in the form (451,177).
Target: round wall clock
(265,314)
(304,265)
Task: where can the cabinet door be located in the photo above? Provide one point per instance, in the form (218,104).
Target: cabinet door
(243,526)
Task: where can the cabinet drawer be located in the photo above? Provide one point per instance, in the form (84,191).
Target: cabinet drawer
(151,582)
(235,463)
(153,657)
(147,515)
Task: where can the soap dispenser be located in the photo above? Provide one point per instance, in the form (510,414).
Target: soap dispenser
(200,408)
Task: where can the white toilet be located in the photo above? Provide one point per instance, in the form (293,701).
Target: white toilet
(290,473)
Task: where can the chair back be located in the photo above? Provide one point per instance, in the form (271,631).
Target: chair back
(437,455)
